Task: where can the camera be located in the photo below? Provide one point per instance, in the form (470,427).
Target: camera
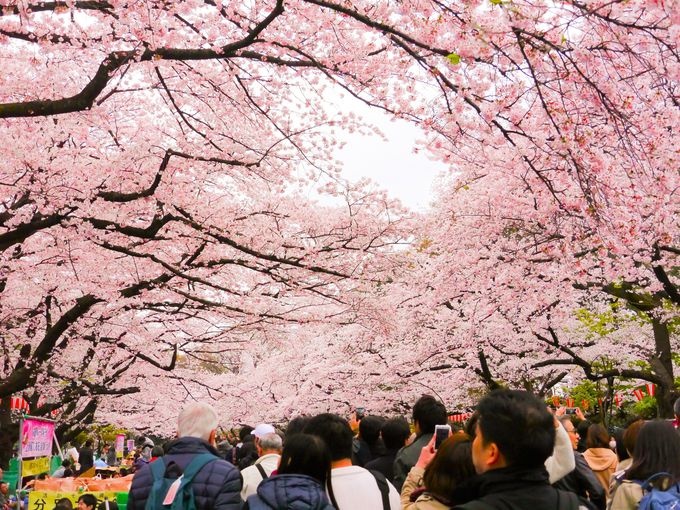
(570,410)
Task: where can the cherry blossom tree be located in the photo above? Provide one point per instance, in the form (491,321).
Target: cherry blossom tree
(158,159)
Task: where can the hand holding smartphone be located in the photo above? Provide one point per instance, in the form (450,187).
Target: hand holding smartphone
(441,433)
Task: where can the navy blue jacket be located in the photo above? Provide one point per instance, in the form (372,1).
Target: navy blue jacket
(217,486)
(289,492)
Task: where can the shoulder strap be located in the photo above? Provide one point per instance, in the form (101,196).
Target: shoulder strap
(263,473)
(158,468)
(196,465)
(383,486)
(647,484)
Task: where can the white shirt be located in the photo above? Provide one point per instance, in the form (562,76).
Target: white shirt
(252,476)
(562,461)
(356,488)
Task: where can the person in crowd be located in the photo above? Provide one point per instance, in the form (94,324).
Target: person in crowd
(269,448)
(676,413)
(111,459)
(300,481)
(582,428)
(427,413)
(657,450)
(431,482)
(561,462)
(599,456)
(87,502)
(156,451)
(296,426)
(367,445)
(4,496)
(244,435)
(628,442)
(515,435)
(63,504)
(246,455)
(581,481)
(394,434)
(351,487)
(216,486)
(86,456)
(61,470)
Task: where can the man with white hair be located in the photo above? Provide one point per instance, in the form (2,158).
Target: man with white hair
(269,447)
(216,485)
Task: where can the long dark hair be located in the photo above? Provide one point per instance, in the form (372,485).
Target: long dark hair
(657,450)
(305,454)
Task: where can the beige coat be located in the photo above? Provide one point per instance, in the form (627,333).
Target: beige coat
(625,496)
(603,462)
(413,481)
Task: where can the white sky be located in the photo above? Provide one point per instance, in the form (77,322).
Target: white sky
(392,163)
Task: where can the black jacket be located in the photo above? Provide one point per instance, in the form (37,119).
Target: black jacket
(584,483)
(384,464)
(217,486)
(514,489)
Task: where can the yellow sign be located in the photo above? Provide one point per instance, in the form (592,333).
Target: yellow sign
(43,500)
(32,467)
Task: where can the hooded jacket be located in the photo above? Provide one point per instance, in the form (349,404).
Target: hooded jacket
(289,492)
(603,462)
(216,487)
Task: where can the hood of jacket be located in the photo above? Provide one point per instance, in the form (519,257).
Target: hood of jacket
(292,492)
(601,459)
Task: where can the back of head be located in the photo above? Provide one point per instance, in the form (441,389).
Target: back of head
(64,504)
(296,426)
(245,430)
(395,432)
(89,500)
(631,434)
(657,449)
(520,426)
(271,442)
(197,420)
(451,465)
(306,454)
(428,412)
(597,437)
(157,451)
(335,432)
(369,428)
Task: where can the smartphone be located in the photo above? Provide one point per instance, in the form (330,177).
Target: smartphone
(441,432)
(570,410)
(360,412)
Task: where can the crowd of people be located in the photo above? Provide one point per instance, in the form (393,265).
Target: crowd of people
(513,453)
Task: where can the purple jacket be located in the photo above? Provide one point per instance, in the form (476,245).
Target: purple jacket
(217,486)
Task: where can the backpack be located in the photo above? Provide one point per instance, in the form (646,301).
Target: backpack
(184,495)
(657,499)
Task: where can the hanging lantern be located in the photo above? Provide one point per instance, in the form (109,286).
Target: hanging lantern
(639,395)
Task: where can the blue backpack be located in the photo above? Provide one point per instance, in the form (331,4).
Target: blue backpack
(184,497)
(657,499)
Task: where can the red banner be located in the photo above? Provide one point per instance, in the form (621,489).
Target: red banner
(638,394)
(618,400)
(651,389)
(570,402)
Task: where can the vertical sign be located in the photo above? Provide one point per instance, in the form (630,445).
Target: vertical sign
(120,445)
(131,445)
(36,438)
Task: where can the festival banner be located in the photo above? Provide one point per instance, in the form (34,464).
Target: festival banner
(44,500)
(618,400)
(35,466)
(131,445)
(36,438)
(638,394)
(120,445)
(651,389)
